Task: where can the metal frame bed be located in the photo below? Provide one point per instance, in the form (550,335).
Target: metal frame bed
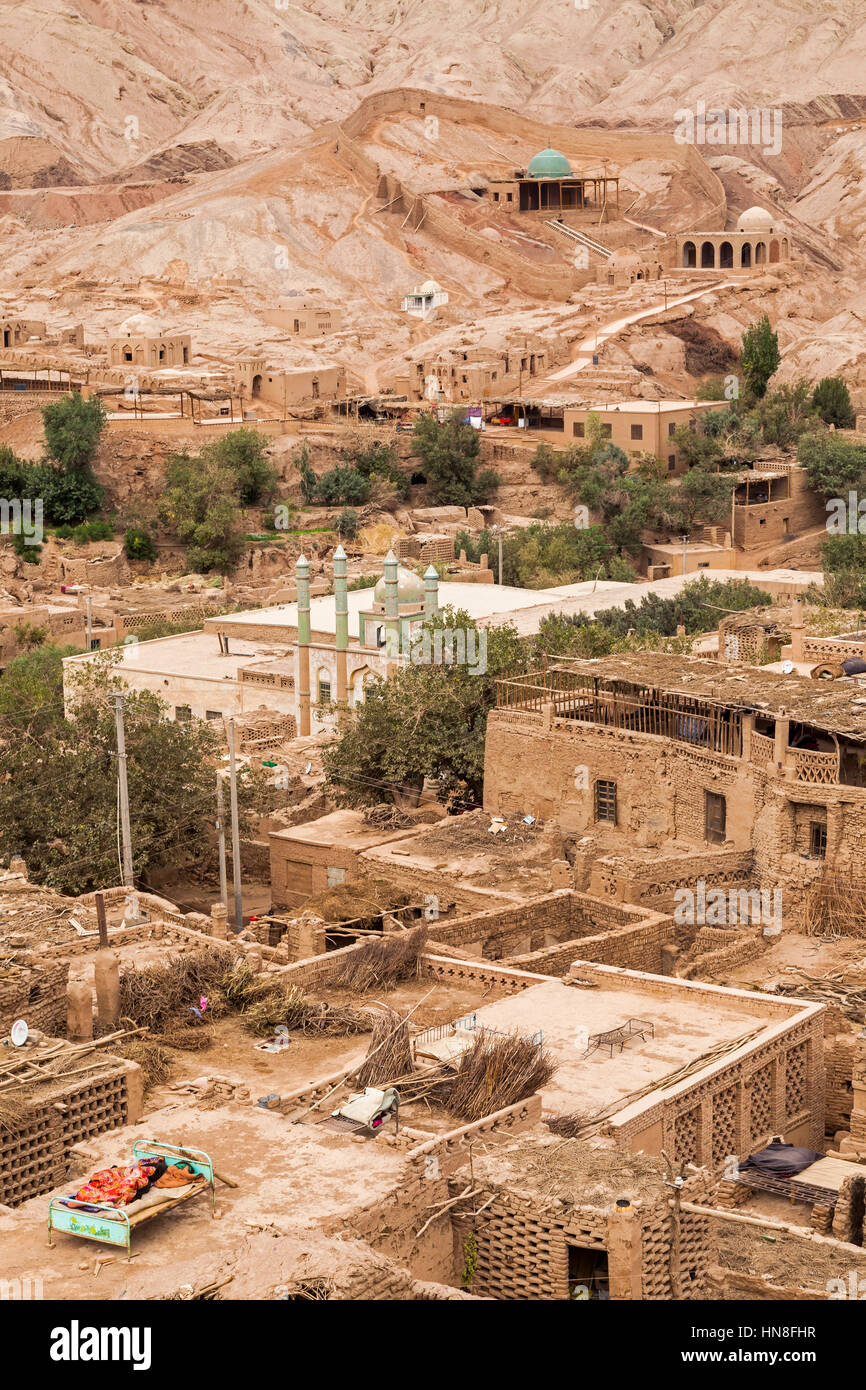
(112,1225)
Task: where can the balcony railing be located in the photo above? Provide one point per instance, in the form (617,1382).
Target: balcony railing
(682,718)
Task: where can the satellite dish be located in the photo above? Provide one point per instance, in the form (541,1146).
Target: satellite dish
(787,667)
(20,1032)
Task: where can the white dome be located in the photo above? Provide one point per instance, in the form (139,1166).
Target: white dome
(140,326)
(755,220)
(430,287)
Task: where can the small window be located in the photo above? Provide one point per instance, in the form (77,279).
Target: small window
(671,430)
(182,713)
(637,431)
(578,429)
(715,817)
(818,839)
(212,714)
(94,644)
(605,801)
(324,691)
(672,462)
(606,431)
(496,197)
(509,197)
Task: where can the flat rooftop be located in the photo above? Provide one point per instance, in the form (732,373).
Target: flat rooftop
(480,601)
(690,1023)
(193,654)
(344,828)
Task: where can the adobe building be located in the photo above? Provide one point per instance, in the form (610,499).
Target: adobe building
(636,427)
(758,241)
(142,341)
(773,504)
(305,320)
(282,388)
(626,266)
(474,374)
(20,332)
(307,860)
(548,185)
(704,766)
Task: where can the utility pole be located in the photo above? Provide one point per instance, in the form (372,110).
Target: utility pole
(500,557)
(221,833)
(123,793)
(236,834)
(89,605)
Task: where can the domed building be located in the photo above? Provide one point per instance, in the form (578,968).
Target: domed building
(549,164)
(424,299)
(142,341)
(758,241)
(549,185)
(624,266)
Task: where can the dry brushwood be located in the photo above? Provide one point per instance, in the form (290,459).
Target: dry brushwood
(381,961)
(496,1071)
(569,1126)
(290,1008)
(162,996)
(389,1054)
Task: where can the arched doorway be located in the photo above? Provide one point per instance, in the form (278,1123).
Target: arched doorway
(257,384)
(785,251)
(760,253)
(359,680)
(746,255)
(726,256)
(708,256)
(315,388)
(774,252)
(689,255)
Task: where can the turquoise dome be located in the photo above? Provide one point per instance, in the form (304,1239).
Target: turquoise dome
(549,164)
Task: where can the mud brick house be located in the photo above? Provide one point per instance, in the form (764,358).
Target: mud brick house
(654,752)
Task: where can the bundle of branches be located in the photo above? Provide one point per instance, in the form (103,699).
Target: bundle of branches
(389,1054)
(156,1062)
(264,1005)
(382,961)
(386,816)
(164,996)
(828,989)
(830,909)
(497,1070)
(294,1010)
(569,1126)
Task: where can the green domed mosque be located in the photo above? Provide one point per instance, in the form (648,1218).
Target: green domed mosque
(549,185)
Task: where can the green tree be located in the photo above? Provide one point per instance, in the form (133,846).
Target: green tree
(426,721)
(138,544)
(200,504)
(760,356)
(73,427)
(832,401)
(834,465)
(449,453)
(59,776)
(244,453)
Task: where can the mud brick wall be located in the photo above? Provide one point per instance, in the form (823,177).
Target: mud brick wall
(840,1054)
(391,1225)
(36,993)
(637,947)
(506,932)
(476,972)
(34,1157)
(523,1241)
